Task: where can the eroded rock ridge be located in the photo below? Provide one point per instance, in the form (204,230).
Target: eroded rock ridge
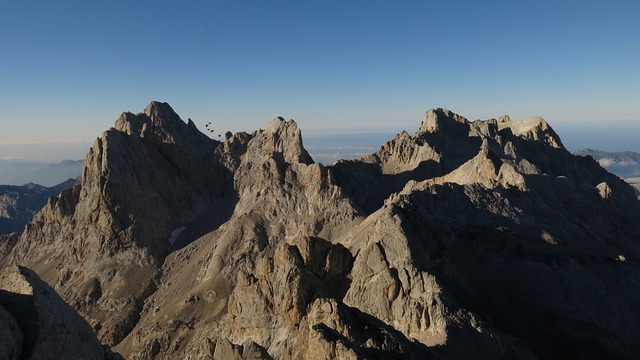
(465,240)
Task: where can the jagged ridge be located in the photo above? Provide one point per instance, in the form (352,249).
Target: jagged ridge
(463,240)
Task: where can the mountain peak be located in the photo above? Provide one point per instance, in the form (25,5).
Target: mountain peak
(443,120)
(158,111)
(161,123)
(439,245)
(504,119)
(283,137)
(156,114)
(535,128)
(279,124)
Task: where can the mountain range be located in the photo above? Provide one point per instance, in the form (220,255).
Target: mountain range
(465,240)
(18,204)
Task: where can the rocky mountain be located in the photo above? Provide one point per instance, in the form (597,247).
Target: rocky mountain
(464,240)
(18,204)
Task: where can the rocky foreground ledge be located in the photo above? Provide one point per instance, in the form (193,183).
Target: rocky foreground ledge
(465,240)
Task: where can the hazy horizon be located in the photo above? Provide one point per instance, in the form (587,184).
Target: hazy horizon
(326,145)
(66,71)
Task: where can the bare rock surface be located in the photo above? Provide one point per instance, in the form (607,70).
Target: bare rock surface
(11,335)
(143,179)
(466,240)
(38,324)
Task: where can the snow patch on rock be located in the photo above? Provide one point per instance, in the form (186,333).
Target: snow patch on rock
(175,233)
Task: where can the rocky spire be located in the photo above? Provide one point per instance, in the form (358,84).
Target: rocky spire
(284,137)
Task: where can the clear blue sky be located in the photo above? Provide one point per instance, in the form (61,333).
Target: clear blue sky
(69,68)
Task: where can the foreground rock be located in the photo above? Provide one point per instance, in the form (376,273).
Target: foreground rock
(465,240)
(38,324)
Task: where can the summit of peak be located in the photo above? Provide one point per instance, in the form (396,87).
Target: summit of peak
(279,124)
(156,106)
(283,136)
(159,121)
(161,113)
(504,119)
(440,119)
(534,128)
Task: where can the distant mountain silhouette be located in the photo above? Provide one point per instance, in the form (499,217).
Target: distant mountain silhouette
(625,164)
(16,172)
(19,203)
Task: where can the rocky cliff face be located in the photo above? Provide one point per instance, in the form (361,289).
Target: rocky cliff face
(482,239)
(101,244)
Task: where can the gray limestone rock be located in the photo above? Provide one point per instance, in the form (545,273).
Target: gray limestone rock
(50,328)
(467,239)
(142,181)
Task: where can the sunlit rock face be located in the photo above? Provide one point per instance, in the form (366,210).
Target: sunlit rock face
(467,239)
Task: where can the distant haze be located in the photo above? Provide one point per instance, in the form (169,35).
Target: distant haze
(42,163)
(67,71)
(47,174)
(328,147)
(605,136)
(44,152)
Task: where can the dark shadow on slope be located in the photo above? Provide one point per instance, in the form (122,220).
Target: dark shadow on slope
(546,276)
(165,186)
(323,269)
(210,220)
(455,147)
(558,307)
(371,338)
(22,308)
(367,186)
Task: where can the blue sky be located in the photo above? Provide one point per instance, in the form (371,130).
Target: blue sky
(69,68)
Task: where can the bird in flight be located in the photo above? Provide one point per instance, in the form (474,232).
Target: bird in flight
(210,128)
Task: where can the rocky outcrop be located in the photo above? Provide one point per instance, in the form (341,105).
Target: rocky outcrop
(18,204)
(467,239)
(38,324)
